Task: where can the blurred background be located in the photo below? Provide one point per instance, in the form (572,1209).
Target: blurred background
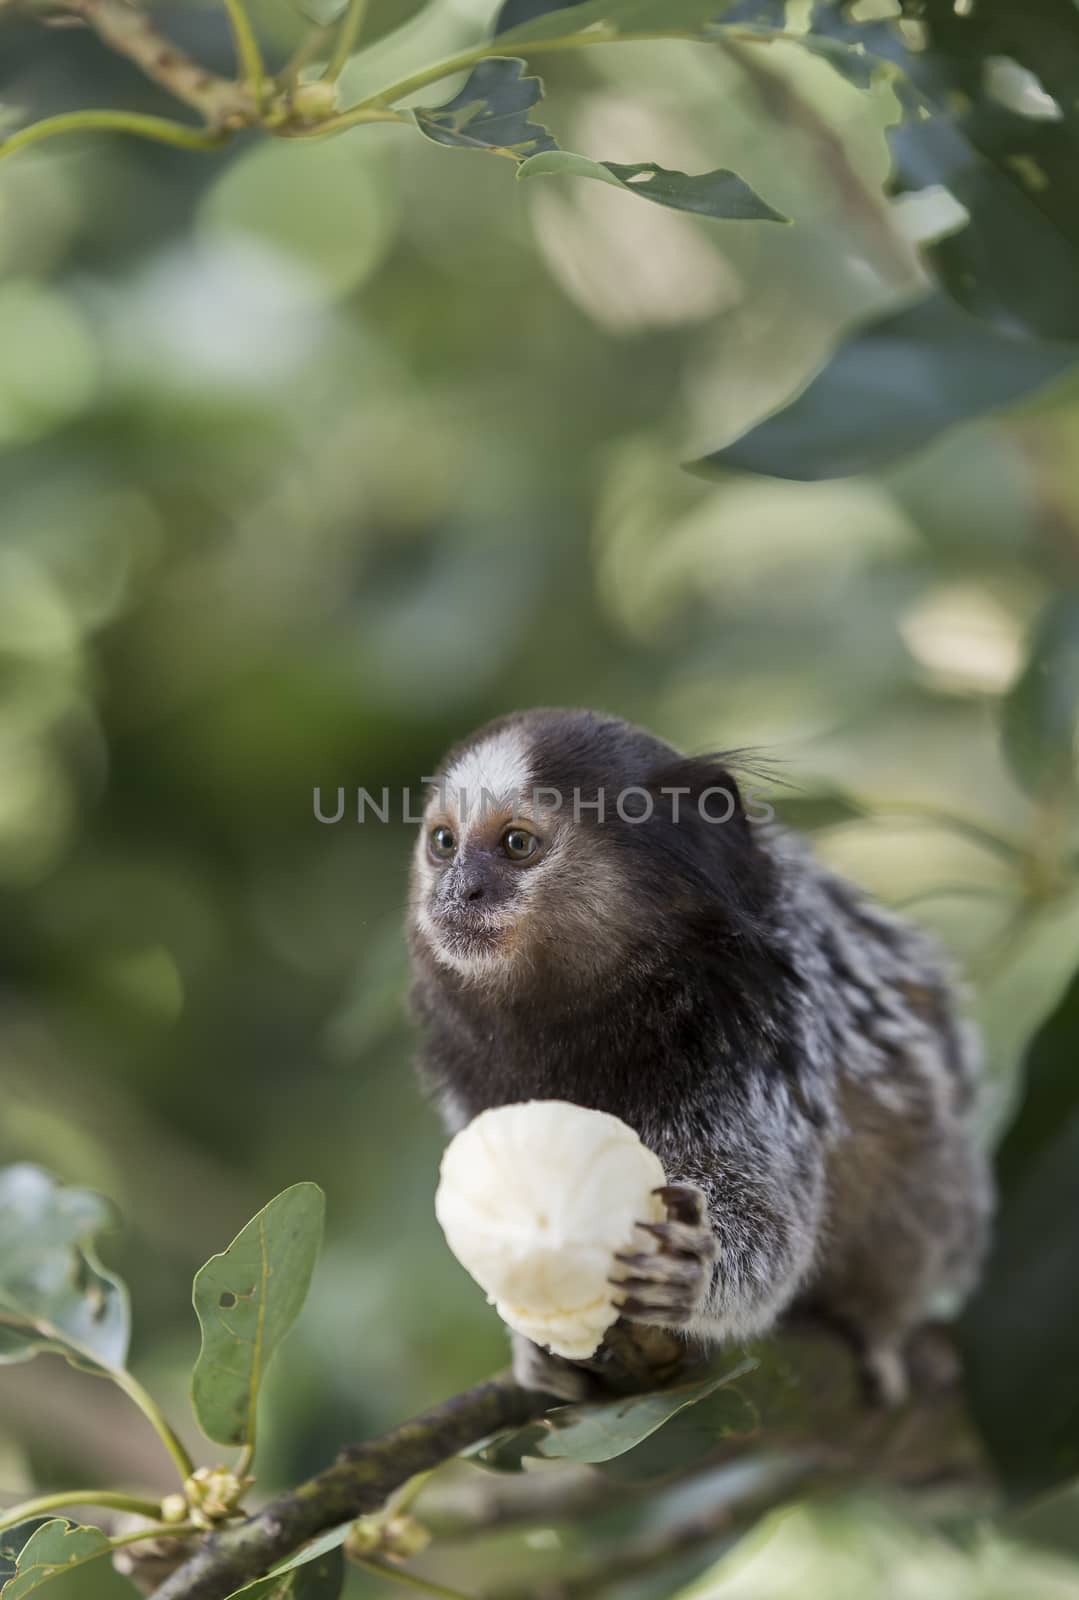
(312,458)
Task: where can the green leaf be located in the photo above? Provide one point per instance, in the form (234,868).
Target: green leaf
(515,13)
(380,17)
(720,194)
(54,1293)
(317,1573)
(1041,712)
(1019,1333)
(894,386)
(595,1433)
(671,18)
(51,1552)
(1051,1520)
(247,1299)
(490,112)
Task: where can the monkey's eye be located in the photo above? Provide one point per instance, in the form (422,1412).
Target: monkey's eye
(519,844)
(442,843)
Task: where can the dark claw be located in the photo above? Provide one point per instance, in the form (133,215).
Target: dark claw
(677,1273)
(632,1307)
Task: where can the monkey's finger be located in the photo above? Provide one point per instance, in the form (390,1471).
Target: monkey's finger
(654,1311)
(684,1202)
(681,1238)
(654,1265)
(685,1273)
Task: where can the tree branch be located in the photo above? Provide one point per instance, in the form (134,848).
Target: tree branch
(221,102)
(360,1481)
(804,1396)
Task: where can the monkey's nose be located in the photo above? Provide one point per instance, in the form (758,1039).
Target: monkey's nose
(473,885)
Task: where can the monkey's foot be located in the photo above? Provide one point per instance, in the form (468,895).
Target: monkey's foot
(669,1284)
(536,1368)
(885,1375)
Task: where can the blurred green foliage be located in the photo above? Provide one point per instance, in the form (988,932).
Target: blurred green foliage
(314,456)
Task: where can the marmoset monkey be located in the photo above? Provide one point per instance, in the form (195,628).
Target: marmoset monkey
(596,918)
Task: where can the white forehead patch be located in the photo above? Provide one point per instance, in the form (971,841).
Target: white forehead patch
(492,775)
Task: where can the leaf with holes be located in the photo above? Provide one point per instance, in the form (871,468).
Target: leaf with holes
(719,194)
(51,1552)
(246,1299)
(490,113)
(54,1293)
(596,1433)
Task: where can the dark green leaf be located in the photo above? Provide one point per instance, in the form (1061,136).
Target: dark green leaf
(54,1293)
(1050,1096)
(1016,261)
(490,112)
(891,388)
(247,1299)
(671,18)
(1019,1334)
(719,194)
(515,13)
(52,1551)
(317,1573)
(1051,1520)
(593,1433)
(1041,712)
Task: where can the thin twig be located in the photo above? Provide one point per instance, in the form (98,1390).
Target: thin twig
(505,45)
(102,1499)
(221,102)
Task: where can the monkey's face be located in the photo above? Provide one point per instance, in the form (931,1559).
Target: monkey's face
(506,881)
(561,846)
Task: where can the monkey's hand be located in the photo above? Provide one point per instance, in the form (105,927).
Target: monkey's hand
(667,1286)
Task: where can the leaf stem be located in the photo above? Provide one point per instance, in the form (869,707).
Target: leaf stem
(161,129)
(159,1530)
(102,1499)
(308,50)
(505,46)
(338,124)
(345,44)
(157,1419)
(382,1569)
(248,54)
